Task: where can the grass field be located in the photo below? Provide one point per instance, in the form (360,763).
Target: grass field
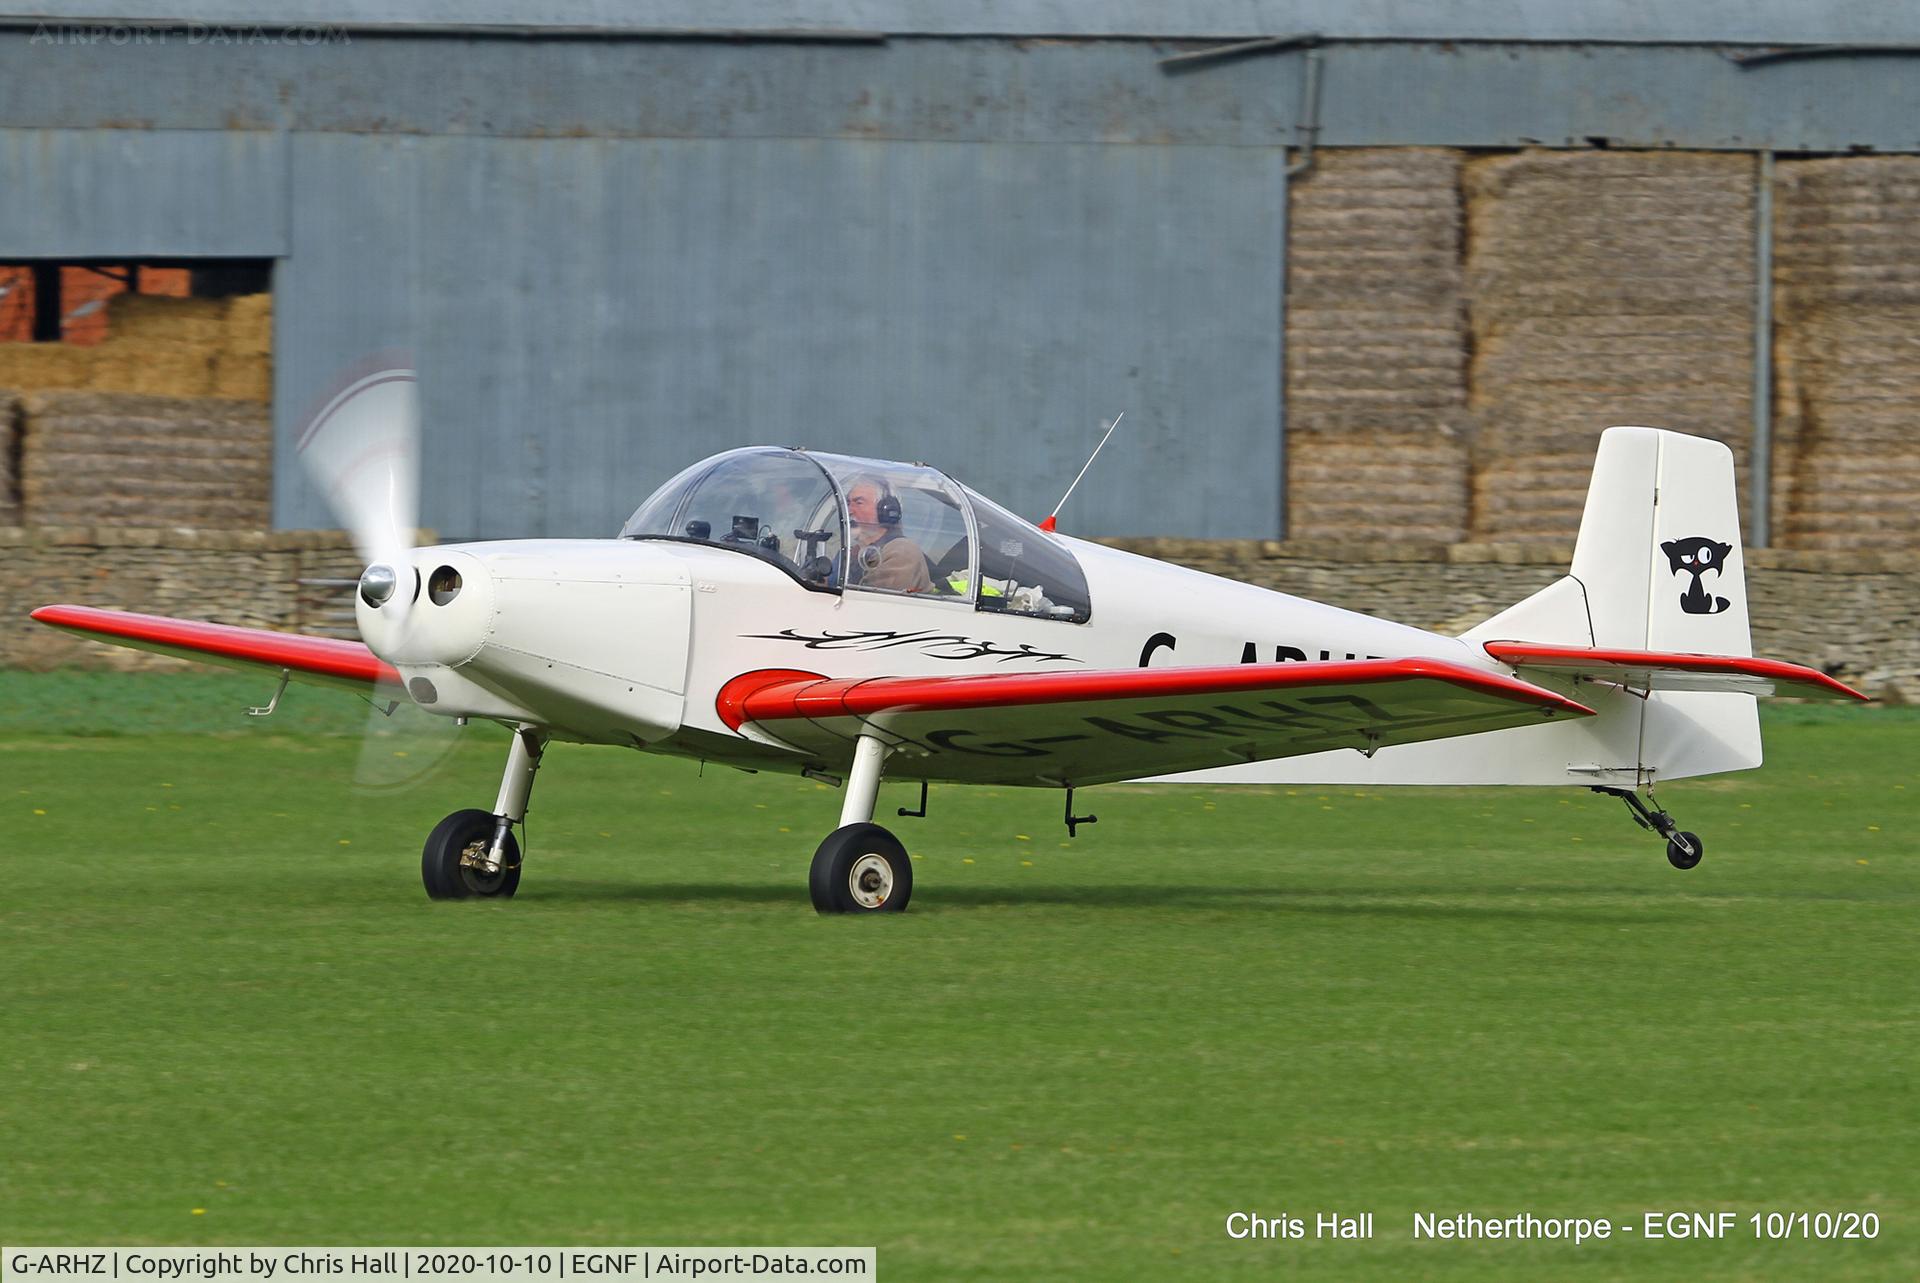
(231,1016)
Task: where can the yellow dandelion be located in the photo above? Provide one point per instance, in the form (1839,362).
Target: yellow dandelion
(959,1135)
(346,842)
(1026,864)
(785,829)
(38,811)
(966,859)
(1873,828)
(199,1211)
(1023,837)
(1859,861)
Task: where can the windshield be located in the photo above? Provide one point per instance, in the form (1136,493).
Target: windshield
(907,528)
(775,504)
(834,521)
(1023,570)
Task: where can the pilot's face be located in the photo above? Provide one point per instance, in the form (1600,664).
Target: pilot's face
(862,501)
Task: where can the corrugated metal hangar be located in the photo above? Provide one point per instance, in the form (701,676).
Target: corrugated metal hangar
(619,237)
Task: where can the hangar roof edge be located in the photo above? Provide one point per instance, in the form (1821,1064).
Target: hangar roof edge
(1767,22)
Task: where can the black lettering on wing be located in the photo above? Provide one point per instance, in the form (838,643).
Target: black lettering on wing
(950,741)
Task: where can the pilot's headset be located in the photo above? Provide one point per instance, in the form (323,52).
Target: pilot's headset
(886,508)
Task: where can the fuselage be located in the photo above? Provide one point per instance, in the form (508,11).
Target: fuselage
(627,642)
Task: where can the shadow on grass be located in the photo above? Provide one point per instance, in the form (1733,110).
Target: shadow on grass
(1395,902)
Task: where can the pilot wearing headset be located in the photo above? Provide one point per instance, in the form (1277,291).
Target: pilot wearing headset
(880,556)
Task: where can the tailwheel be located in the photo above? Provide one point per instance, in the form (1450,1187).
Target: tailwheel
(861,868)
(454,865)
(1685,849)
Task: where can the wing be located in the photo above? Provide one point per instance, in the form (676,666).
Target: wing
(325,660)
(1092,728)
(1653,670)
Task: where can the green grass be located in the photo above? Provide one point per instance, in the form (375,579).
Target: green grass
(224,990)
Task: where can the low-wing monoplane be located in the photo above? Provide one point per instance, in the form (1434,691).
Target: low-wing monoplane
(848,618)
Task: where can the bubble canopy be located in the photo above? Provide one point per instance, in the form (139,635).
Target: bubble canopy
(834,522)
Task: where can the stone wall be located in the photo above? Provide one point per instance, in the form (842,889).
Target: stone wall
(254,579)
(1853,614)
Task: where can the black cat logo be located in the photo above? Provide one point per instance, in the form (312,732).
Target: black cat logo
(1696,556)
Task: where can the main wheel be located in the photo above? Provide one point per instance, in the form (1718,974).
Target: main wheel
(1685,857)
(449,866)
(861,868)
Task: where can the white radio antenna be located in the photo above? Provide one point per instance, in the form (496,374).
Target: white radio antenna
(1048,523)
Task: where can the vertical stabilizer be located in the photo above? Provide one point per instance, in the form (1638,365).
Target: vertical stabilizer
(1658,566)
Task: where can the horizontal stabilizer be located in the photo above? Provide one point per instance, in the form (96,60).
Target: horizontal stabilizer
(330,661)
(1669,671)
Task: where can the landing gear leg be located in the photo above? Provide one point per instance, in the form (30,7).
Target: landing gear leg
(473,852)
(1683,849)
(861,868)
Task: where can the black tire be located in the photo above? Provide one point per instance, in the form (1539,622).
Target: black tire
(861,868)
(447,879)
(1684,859)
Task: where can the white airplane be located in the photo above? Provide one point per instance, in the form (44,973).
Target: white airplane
(846,618)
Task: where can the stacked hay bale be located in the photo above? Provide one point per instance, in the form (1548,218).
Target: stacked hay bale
(9,454)
(1847,352)
(159,346)
(1606,288)
(38,367)
(243,367)
(116,458)
(1376,348)
(164,423)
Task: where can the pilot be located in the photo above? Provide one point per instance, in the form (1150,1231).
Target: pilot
(880,556)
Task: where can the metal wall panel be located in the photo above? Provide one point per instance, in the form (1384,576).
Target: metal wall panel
(113,193)
(591,315)
(1454,94)
(1769,21)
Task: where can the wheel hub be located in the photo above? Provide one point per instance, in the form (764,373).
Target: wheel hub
(870,881)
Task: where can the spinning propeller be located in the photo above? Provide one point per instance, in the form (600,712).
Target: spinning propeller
(362,452)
